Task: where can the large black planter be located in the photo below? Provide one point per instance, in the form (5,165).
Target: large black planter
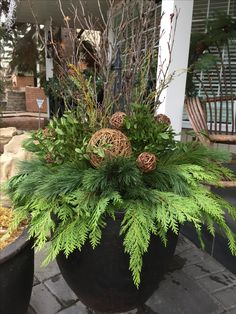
(101,278)
(16,276)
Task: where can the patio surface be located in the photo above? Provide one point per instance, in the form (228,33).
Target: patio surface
(196,284)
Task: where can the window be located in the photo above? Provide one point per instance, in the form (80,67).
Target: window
(223,81)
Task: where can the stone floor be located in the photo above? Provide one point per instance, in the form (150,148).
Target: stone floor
(196,284)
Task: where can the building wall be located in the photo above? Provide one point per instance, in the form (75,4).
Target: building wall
(22,81)
(31,94)
(15,100)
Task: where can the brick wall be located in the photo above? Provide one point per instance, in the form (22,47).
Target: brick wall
(22,81)
(31,94)
(15,100)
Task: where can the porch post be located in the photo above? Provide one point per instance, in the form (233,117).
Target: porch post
(48,58)
(172,98)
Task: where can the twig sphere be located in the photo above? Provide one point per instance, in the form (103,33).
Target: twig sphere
(113,142)
(117,120)
(162,118)
(146,162)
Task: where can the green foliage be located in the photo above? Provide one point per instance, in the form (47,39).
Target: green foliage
(206,62)
(25,53)
(60,89)
(145,133)
(220,31)
(64,139)
(71,200)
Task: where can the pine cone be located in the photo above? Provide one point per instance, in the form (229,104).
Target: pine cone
(146,162)
(162,118)
(117,120)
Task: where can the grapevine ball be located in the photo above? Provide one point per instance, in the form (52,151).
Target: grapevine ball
(113,142)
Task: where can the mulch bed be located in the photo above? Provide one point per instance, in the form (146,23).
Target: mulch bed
(6,216)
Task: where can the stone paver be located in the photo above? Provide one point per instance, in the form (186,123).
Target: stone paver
(43,302)
(76,308)
(227,297)
(31,310)
(192,256)
(203,269)
(217,281)
(195,284)
(58,287)
(181,294)
(42,273)
(36,281)
(183,245)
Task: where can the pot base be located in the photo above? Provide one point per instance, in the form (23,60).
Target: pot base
(101,278)
(16,276)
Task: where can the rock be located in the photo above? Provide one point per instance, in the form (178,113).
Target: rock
(13,153)
(5,201)
(6,135)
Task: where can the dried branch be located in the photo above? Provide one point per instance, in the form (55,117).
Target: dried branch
(128,27)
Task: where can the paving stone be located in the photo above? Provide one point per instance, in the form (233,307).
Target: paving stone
(61,290)
(193,256)
(179,294)
(176,263)
(41,272)
(183,244)
(36,281)
(43,302)
(144,310)
(31,310)
(227,297)
(136,312)
(202,269)
(217,281)
(78,308)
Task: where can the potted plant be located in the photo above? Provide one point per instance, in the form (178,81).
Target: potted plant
(109,185)
(113,200)
(16,266)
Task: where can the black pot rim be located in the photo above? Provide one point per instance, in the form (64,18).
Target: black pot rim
(13,248)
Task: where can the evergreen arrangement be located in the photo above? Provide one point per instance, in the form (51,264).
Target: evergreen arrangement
(136,167)
(68,200)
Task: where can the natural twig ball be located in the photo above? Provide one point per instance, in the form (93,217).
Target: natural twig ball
(113,142)
(146,162)
(162,118)
(117,120)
